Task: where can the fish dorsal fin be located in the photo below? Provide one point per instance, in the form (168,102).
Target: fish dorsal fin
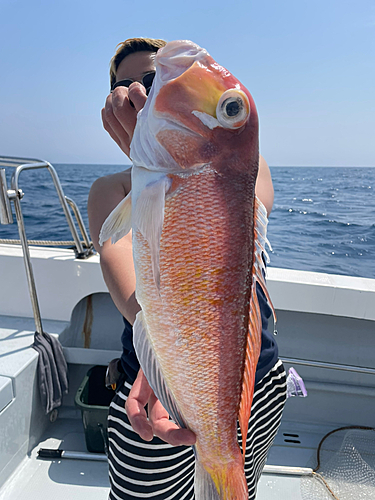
(151,368)
(118,223)
(149,218)
(255,319)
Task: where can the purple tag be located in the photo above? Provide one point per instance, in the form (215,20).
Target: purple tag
(295,385)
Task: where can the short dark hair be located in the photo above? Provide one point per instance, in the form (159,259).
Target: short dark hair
(130,46)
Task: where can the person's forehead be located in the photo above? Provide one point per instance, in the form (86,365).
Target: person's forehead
(135,65)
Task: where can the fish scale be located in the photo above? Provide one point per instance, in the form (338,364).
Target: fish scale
(200,302)
(198,237)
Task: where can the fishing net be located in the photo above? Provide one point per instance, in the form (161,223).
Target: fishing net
(345,469)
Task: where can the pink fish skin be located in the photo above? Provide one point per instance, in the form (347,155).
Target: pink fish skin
(198,233)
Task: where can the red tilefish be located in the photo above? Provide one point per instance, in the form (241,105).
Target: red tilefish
(199,234)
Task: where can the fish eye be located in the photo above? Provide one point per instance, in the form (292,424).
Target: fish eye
(232,106)
(233,109)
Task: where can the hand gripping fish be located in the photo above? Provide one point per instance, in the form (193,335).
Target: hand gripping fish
(198,237)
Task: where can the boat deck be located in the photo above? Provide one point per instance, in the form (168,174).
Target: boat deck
(64,478)
(61,478)
(34,478)
(326,331)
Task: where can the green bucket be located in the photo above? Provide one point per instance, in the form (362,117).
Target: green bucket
(93,399)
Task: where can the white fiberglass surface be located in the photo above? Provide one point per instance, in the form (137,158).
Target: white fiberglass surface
(80,479)
(61,478)
(16,336)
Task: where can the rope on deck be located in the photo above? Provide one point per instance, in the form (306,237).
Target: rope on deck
(39,242)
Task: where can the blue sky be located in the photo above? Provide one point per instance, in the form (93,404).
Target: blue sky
(310,66)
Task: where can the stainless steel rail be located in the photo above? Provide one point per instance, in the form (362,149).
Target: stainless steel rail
(286,470)
(80,222)
(14,161)
(15,194)
(44,164)
(330,366)
(5,210)
(28,266)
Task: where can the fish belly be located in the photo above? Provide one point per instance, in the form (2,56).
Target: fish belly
(197,322)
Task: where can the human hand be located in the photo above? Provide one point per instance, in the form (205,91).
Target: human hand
(158,423)
(119,116)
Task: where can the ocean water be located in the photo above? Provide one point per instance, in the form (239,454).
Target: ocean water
(323,218)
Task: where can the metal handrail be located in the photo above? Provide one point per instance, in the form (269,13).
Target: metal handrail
(15,194)
(28,266)
(14,161)
(330,366)
(5,210)
(80,222)
(56,181)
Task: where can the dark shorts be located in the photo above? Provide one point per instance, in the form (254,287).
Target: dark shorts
(159,471)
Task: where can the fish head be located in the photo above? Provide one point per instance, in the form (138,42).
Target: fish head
(197,114)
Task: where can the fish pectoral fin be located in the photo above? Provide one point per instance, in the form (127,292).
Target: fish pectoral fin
(118,223)
(149,218)
(151,368)
(255,319)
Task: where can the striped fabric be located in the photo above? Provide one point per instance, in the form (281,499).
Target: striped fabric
(159,471)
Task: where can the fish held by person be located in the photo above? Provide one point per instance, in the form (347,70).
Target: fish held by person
(198,237)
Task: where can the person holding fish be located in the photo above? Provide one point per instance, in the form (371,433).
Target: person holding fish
(187,274)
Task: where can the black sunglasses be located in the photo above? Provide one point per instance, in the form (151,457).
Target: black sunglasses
(146,81)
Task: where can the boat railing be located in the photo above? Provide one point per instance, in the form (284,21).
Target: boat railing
(82,249)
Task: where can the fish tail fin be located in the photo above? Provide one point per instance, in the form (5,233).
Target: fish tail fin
(226,483)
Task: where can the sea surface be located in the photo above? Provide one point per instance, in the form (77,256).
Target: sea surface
(323,218)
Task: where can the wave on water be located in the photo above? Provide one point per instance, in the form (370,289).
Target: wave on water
(323,218)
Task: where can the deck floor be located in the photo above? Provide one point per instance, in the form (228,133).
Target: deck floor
(81,479)
(59,479)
